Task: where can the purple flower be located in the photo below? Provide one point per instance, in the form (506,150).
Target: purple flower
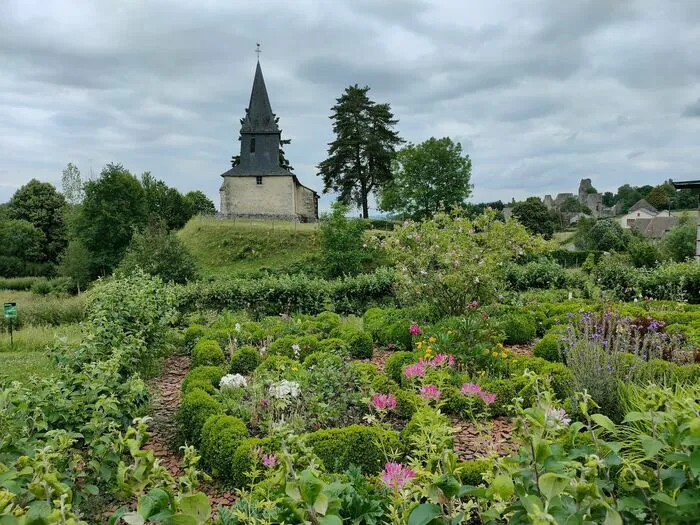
(414,330)
(557,418)
(470,389)
(384,402)
(396,475)
(441,359)
(414,370)
(487,397)
(269,460)
(430,392)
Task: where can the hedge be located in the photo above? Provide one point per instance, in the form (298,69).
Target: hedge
(287,294)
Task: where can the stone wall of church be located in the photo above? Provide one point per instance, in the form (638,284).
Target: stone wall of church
(243,196)
(306,203)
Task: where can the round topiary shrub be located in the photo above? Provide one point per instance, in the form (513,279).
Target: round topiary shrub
(471,472)
(400,335)
(207,353)
(519,328)
(407,402)
(358,445)
(365,372)
(295,347)
(327,321)
(195,409)
(221,436)
(334,346)
(209,374)
(244,360)
(395,364)
(548,348)
(359,342)
(246,456)
(383,383)
(192,335)
(323,360)
(277,366)
(202,384)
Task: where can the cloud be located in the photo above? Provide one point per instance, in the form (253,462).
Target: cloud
(540,93)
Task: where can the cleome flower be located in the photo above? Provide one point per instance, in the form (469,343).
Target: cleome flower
(415,370)
(556,418)
(383,402)
(414,329)
(430,392)
(231,381)
(395,475)
(269,460)
(285,389)
(469,389)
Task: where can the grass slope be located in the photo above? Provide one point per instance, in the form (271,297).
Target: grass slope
(225,246)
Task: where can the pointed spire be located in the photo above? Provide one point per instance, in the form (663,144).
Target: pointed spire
(259,117)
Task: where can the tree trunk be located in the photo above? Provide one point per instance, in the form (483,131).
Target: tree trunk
(365,208)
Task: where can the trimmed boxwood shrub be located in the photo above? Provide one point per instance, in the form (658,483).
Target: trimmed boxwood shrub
(506,391)
(308,344)
(374,323)
(400,335)
(277,364)
(359,343)
(221,436)
(195,409)
(407,402)
(383,383)
(366,372)
(246,456)
(327,321)
(207,353)
(339,448)
(202,384)
(395,364)
(470,472)
(519,328)
(210,374)
(192,334)
(548,348)
(335,346)
(559,376)
(244,360)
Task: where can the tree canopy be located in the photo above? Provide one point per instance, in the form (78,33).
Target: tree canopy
(199,204)
(359,159)
(427,178)
(535,216)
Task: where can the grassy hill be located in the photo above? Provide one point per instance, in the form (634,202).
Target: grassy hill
(224,247)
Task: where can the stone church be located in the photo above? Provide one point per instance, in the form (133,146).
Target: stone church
(258,186)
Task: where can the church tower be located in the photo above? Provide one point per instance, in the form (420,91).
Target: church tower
(258,186)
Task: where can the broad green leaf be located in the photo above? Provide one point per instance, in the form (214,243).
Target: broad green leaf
(635,416)
(292,490)
(503,486)
(604,422)
(180,519)
(321,504)
(612,518)
(449,485)
(133,518)
(197,506)
(310,487)
(92,489)
(153,502)
(532,504)
(651,446)
(551,485)
(664,498)
(424,514)
(695,462)
(332,519)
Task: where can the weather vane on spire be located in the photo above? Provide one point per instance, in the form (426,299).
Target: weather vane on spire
(258,50)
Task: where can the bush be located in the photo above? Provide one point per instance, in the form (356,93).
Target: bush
(327,321)
(558,374)
(244,360)
(656,371)
(506,391)
(407,402)
(359,343)
(194,411)
(19,283)
(334,346)
(246,457)
(339,448)
(192,334)
(548,348)
(460,405)
(221,437)
(518,328)
(341,242)
(323,360)
(400,335)
(543,273)
(365,372)
(673,281)
(210,374)
(202,384)
(207,353)
(395,364)
(276,365)
(470,472)
(286,346)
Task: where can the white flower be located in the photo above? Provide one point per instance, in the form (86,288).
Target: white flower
(231,381)
(285,388)
(238,327)
(557,418)
(297,350)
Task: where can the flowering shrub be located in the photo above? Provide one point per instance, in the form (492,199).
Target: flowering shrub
(230,381)
(395,475)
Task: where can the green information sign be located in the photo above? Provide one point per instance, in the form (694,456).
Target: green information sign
(10,310)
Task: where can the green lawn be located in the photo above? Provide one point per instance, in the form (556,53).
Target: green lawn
(227,246)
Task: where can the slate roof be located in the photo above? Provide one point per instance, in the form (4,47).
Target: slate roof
(656,227)
(259,117)
(642,204)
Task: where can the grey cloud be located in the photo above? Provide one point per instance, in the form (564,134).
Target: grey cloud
(692,110)
(634,154)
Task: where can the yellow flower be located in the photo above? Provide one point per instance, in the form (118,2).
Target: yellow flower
(482,372)
(432,339)
(504,355)
(294,369)
(419,345)
(494,354)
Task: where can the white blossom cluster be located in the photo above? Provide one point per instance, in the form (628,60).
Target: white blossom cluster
(285,388)
(231,381)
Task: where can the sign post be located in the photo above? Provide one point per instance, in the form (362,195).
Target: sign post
(10,316)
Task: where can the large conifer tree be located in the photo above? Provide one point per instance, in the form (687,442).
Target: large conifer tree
(359,159)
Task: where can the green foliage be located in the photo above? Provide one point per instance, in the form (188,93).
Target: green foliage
(407,402)
(449,261)
(196,407)
(114,205)
(164,205)
(428,177)
(679,243)
(341,242)
(192,334)
(296,347)
(535,216)
(395,364)
(159,252)
(359,159)
(471,472)
(642,253)
(20,243)
(358,445)
(359,343)
(221,437)
(75,264)
(207,353)
(42,206)
(548,347)
(327,321)
(209,374)
(543,273)
(518,328)
(607,235)
(247,457)
(72,184)
(244,360)
(335,346)
(199,204)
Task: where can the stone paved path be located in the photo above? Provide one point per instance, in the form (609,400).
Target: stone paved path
(476,441)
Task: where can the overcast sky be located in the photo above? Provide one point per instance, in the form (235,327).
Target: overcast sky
(539,92)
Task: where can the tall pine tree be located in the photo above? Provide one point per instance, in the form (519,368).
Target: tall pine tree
(359,159)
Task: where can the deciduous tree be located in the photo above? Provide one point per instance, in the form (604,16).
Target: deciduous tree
(535,216)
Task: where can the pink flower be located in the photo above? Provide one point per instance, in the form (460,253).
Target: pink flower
(418,237)
(384,402)
(557,417)
(430,392)
(471,389)
(487,397)
(441,359)
(414,370)
(414,330)
(269,461)
(473,305)
(396,475)
(264,402)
